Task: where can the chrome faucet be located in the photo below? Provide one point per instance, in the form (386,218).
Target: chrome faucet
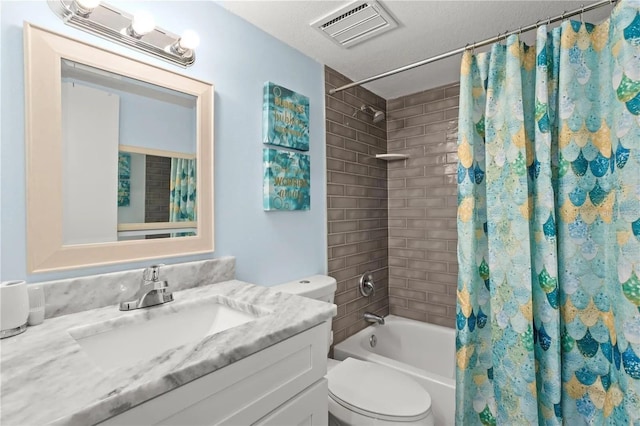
(371,317)
(152,291)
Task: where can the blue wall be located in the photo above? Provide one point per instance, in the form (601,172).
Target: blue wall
(270,247)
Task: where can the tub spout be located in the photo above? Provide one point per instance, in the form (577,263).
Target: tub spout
(371,317)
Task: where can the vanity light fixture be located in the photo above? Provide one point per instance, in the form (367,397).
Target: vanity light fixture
(136,31)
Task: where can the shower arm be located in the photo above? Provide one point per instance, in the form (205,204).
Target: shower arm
(366,109)
(488,41)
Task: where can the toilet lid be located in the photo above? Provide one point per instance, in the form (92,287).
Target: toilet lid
(377,391)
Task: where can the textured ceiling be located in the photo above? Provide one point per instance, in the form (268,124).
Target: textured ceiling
(427,28)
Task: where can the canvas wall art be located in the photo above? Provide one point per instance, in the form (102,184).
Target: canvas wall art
(287,180)
(285,117)
(124,179)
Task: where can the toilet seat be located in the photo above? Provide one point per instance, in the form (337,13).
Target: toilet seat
(377,392)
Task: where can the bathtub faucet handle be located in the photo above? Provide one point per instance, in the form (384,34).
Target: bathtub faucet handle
(366,284)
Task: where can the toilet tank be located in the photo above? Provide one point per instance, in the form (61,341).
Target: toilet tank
(317,287)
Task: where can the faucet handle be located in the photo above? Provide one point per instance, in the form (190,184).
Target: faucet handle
(160,285)
(152,273)
(366,285)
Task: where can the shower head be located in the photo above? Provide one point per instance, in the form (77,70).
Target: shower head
(377,114)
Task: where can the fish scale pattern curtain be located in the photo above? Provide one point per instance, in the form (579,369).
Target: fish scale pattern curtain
(548,316)
(182,196)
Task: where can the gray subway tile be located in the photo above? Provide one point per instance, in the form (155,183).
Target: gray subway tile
(394,104)
(398,261)
(407,132)
(397,301)
(424,97)
(339,129)
(407,213)
(335,264)
(343,226)
(443,299)
(407,313)
(344,178)
(407,193)
(406,233)
(407,273)
(428,265)
(353,145)
(341,154)
(335,214)
(394,145)
(442,256)
(404,173)
(443,278)
(405,112)
(432,117)
(427,307)
(344,250)
(333,189)
(425,202)
(427,287)
(441,105)
(335,240)
(334,116)
(354,168)
(452,91)
(356,259)
(356,237)
(412,254)
(397,223)
(394,125)
(335,165)
(427,244)
(408,294)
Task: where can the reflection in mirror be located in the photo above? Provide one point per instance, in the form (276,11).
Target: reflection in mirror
(111,104)
(129,169)
(156,195)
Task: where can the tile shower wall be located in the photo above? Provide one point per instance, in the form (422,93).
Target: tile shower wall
(422,205)
(158,178)
(356,203)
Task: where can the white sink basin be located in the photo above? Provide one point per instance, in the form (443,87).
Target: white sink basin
(146,333)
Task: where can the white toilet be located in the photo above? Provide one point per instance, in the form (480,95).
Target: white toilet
(362,392)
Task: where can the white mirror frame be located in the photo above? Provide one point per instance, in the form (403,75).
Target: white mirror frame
(44,147)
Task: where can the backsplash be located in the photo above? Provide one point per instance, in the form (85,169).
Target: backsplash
(423,205)
(67,296)
(356,202)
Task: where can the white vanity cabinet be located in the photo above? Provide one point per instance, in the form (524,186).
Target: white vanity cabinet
(281,385)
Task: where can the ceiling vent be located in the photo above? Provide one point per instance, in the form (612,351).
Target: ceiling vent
(355,23)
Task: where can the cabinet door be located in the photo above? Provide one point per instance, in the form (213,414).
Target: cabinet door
(309,408)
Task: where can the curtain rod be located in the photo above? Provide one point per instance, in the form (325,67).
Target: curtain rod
(491,40)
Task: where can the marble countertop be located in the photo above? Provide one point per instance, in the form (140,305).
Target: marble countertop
(46,377)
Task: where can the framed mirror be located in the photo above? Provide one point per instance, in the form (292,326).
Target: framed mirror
(119,157)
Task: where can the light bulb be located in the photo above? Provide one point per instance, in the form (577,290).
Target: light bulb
(84,7)
(189,40)
(88,4)
(142,23)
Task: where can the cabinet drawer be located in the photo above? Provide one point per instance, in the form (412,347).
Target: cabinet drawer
(242,392)
(309,408)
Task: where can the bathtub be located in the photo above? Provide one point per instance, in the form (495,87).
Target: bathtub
(424,351)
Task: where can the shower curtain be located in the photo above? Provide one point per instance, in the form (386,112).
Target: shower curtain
(182,198)
(548,315)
